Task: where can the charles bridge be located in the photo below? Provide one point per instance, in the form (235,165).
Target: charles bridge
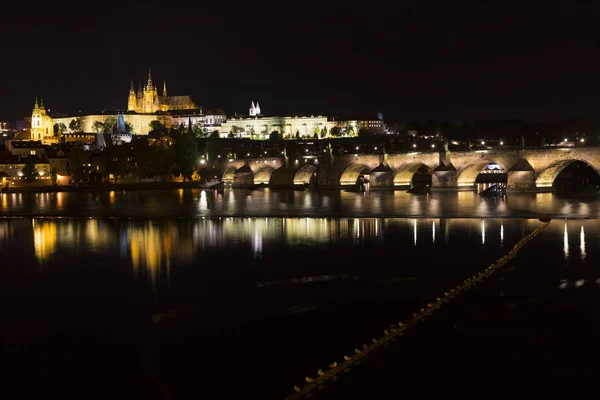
(526,169)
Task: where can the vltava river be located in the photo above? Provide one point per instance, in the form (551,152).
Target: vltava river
(205,303)
(266,202)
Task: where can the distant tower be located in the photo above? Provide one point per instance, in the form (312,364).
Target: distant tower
(164,89)
(36,122)
(41,123)
(254,110)
(150,104)
(132,100)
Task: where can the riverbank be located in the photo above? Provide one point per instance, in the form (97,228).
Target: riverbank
(103,187)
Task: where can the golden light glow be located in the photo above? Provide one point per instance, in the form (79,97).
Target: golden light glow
(44,238)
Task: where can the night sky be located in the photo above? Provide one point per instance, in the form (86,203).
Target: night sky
(420,60)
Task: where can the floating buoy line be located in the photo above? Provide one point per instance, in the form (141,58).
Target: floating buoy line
(398,329)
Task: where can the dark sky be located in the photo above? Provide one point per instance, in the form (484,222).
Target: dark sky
(441,60)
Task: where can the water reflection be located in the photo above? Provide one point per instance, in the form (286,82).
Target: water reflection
(284,203)
(415,231)
(151,249)
(482,231)
(44,239)
(582,243)
(566,242)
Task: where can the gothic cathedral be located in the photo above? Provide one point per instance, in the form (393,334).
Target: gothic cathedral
(148,101)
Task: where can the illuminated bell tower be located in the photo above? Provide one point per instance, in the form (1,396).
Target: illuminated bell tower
(150,96)
(36,122)
(132,101)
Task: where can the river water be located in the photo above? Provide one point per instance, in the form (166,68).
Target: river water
(243,293)
(267,202)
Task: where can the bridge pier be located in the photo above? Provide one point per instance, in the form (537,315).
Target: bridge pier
(444,177)
(382,176)
(521,177)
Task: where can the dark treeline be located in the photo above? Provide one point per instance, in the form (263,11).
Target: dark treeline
(508,130)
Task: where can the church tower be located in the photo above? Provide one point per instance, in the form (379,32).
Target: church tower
(132,101)
(150,96)
(36,122)
(164,89)
(254,110)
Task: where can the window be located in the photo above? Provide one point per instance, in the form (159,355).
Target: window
(32,152)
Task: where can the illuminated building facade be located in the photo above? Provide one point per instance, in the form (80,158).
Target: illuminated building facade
(148,101)
(42,126)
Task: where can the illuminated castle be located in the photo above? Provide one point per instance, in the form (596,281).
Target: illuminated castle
(147,100)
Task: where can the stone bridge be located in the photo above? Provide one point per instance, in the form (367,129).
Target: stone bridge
(527,170)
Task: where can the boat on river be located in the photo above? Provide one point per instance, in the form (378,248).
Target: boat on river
(497,190)
(211,184)
(420,189)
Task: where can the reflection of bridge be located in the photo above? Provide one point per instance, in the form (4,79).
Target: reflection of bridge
(527,170)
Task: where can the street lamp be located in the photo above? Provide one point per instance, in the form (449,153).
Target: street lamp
(501,143)
(582,140)
(414,145)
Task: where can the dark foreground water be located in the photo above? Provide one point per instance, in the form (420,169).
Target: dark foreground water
(252,304)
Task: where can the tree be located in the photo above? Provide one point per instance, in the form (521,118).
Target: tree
(324,132)
(75,125)
(55,129)
(157,128)
(251,132)
(297,134)
(53,175)
(231,135)
(78,157)
(29,171)
(236,129)
(215,134)
(363,133)
(98,126)
(275,135)
(336,131)
(186,155)
(128,127)
(317,131)
(198,130)
(113,160)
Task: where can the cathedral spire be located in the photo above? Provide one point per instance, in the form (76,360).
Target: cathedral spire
(149,85)
(36,104)
(164,88)
(131,87)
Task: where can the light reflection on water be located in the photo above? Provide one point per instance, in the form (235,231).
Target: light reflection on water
(150,246)
(283,203)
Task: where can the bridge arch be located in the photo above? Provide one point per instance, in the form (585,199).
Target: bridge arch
(468,174)
(263,175)
(228,174)
(304,174)
(404,175)
(546,178)
(352,172)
